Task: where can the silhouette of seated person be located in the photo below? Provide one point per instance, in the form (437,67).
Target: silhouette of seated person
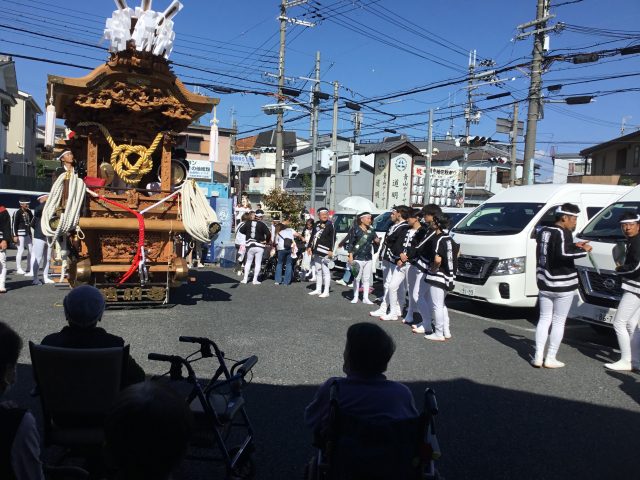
(147,432)
(365,392)
(83,309)
(19,438)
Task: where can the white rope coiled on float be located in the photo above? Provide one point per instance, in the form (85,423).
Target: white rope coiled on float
(199,219)
(70,218)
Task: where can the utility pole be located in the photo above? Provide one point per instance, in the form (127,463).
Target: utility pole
(427,172)
(284,5)
(334,148)
(514,139)
(357,123)
(467,117)
(314,141)
(280,122)
(535,88)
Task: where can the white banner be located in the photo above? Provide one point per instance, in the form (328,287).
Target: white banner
(200,170)
(380,186)
(400,172)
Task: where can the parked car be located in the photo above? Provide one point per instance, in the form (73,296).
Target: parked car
(497,262)
(600,289)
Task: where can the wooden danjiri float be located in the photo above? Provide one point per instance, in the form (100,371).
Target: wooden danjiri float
(121,212)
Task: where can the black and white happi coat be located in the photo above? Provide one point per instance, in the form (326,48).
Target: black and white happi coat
(630,270)
(444,247)
(394,242)
(257,234)
(22,222)
(322,239)
(555,254)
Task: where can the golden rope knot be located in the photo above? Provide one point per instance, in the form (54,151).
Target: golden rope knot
(130,172)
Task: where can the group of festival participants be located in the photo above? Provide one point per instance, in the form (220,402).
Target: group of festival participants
(419,261)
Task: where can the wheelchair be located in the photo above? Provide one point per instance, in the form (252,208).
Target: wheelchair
(354,449)
(217,404)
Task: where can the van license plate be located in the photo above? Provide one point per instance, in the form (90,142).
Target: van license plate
(469,291)
(605,316)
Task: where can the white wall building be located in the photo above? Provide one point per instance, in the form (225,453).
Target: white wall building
(22,135)
(8,93)
(567,165)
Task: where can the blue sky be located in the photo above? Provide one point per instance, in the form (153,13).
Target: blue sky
(235,43)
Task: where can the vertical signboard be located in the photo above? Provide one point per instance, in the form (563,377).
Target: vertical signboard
(380,181)
(219,250)
(417,185)
(400,170)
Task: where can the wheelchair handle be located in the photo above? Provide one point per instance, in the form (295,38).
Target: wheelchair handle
(247,364)
(431,404)
(161,357)
(192,339)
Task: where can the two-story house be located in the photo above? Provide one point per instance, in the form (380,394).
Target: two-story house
(22,135)
(261,178)
(8,93)
(613,162)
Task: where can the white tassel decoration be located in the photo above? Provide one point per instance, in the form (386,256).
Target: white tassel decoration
(213,138)
(50,126)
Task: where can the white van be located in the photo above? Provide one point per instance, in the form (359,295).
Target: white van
(600,290)
(10,199)
(497,262)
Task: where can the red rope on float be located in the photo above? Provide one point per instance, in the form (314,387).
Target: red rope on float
(136,259)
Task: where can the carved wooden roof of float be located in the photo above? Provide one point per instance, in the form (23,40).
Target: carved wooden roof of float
(134,95)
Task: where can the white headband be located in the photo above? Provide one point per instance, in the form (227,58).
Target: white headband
(559,211)
(631,220)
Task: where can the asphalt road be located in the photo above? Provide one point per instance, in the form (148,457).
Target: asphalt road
(500,418)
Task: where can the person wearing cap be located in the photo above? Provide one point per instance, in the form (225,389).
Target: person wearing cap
(440,276)
(320,246)
(257,236)
(363,243)
(557,280)
(625,323)
(41,255)
(5,236)
(22,219)
(392,239)
(399,251)
(83,309)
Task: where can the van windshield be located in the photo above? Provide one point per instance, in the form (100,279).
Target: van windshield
(605,227)
(499,219)
(342,222)
(382,222)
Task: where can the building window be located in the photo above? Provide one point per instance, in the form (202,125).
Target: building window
(621,159)
(193,144)
(636,156)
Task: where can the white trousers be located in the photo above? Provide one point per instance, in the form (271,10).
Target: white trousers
(24,243)
(418,293)
(3,268)
(398,280)
(254,255)
(439,311)
(364,278)
(307,260)
(40,257)
(387,272)
(625,324)
(554,308)
(323,274)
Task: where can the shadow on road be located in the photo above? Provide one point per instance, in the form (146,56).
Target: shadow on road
(495,312)
(485,431)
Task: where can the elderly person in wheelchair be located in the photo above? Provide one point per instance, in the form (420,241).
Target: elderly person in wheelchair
(365,426)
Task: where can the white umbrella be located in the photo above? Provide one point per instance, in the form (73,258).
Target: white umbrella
(359,204)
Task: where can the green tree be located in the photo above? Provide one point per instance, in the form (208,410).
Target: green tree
(288,204)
